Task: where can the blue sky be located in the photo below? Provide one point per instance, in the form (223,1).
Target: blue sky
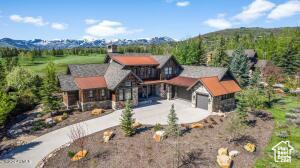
(133,19)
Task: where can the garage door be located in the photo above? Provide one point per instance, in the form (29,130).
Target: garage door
(202,101)
(182,93)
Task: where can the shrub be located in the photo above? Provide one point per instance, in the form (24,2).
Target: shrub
(283,134)
(71,154)
(65,115)
(157,127)
(286,90)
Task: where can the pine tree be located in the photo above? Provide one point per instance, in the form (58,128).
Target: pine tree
(172,128)
(290,60)
(127,120)
(6,106)
(239,67)
(49,89)
(221,58)
(2,75)
(255,78)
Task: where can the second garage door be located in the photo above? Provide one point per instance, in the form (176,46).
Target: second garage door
(202,101)
(182,93)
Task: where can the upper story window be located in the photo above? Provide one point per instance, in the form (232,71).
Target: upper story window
(168,70)
(128,83)
(90,94)
(103,92)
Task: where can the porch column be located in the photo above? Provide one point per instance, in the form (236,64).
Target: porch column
(169,92)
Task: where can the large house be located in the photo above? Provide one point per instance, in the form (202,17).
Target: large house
(142,78)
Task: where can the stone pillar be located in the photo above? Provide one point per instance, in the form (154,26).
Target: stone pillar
(169,92)
(194,95)
(135,96)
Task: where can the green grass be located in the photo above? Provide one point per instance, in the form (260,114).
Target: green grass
(39,64)
(278,111)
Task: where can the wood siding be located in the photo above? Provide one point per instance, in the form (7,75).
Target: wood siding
(122,85)
(145,72)
(175,69)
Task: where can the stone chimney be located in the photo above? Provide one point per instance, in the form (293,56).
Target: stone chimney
(112,48)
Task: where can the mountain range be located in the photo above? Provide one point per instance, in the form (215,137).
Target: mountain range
(68,43)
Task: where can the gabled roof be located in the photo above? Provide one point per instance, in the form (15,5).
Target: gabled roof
(162,59)
(202,71)
(67,83)
(115,74)
(135,60)
(182,81)
(85,70)
(90,82)
(218,88)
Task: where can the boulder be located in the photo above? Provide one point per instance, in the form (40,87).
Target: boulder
(107,135)
(97,111)
(233,153)
(223,151)
(60,118)
(224,161)
(79,155)
(49,121)
(250,147)
(159,136)
(136,125)
(197,125)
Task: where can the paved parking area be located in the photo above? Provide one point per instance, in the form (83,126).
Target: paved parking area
(158,112)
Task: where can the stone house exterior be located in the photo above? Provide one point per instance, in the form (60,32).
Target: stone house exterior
(142,78)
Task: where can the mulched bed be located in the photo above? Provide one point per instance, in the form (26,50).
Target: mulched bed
(195,148)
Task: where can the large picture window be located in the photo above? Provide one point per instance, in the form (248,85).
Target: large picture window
(128,95)
(121,95)
(125,94)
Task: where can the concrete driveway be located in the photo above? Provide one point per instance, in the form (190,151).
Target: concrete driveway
(28,156)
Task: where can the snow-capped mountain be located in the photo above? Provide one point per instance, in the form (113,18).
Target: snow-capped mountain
(67,43)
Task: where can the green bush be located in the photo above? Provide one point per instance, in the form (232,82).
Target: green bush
(286,90)
(157,127)
(71,154)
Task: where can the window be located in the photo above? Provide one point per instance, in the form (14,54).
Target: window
(166,70)
(127,83)
(128,95)
(90,94)
(121,95)
(170,70)
(103,92)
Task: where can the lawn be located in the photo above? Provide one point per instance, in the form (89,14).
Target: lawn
(39,64)
(278,111)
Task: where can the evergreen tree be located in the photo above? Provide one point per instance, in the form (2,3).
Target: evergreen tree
(6,106)
(127,120)
(239,67)
(2,75)
(290,60)
(172,128)
(221,58)
(255,78)
(49,89)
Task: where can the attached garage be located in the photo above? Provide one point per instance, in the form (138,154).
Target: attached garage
(182,93)
(202,101)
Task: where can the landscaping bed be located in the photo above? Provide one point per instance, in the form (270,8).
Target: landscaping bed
(197,147)
(30,126)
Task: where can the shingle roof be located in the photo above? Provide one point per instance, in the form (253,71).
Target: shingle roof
(202,71)
(115,74)
(84,70)
(135,60)
(67,83)
(91,82)
(161,59)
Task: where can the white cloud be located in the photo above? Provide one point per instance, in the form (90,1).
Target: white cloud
(218,23)
(183,3)
(91,21)
(107,28)
(254,10)
(59,26)
(287,9)
(37,21)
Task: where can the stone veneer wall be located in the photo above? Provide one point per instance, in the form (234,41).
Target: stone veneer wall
(223,105)
(121,104)
(163,93)
(106,104)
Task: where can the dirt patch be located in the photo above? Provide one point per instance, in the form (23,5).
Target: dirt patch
(195,148)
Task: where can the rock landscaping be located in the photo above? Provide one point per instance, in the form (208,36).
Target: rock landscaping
(149,147)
